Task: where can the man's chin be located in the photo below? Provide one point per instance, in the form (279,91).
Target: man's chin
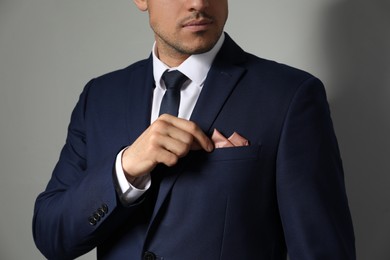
(198,48)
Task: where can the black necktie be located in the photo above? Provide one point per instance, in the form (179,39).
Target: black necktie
(173,82)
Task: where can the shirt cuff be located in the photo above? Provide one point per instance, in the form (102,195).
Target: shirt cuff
(130,191)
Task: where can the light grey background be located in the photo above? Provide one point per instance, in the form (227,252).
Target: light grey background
(49,49)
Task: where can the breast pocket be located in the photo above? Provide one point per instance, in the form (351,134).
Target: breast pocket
(251,152)
(232,169)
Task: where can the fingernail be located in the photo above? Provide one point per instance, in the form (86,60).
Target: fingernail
(210,147)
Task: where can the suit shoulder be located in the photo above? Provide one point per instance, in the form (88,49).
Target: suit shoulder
(118,79)
(116,83)
(257,67)
(124,72)
(275,71)
(277,80)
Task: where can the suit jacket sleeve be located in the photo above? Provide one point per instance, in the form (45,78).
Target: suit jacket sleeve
(79,206)
(310,182)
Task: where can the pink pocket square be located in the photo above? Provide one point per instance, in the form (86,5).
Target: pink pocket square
(234,140)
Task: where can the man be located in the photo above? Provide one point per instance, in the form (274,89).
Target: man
(137,185)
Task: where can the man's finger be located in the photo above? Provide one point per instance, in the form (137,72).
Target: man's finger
(200,139)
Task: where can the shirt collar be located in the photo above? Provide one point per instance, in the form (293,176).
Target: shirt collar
(195,67)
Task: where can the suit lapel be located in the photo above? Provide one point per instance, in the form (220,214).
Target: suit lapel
(140,99)
(222,79)
(220,83)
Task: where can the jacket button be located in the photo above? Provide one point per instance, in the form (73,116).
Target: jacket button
(149,256)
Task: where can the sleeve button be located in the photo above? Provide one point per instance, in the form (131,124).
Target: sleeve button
(96,216)
(105,208)
(100,212)
(92,221)
(149,256)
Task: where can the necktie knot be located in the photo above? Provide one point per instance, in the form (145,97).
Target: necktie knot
(173,79)
(170,103)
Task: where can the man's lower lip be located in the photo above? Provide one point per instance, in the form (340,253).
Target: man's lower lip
(197,27)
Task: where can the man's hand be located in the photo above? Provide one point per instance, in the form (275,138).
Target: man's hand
(165,141)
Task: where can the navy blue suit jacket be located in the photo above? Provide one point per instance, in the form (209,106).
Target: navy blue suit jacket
(284,192)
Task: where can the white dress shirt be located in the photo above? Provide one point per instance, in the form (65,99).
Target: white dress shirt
(196,68)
